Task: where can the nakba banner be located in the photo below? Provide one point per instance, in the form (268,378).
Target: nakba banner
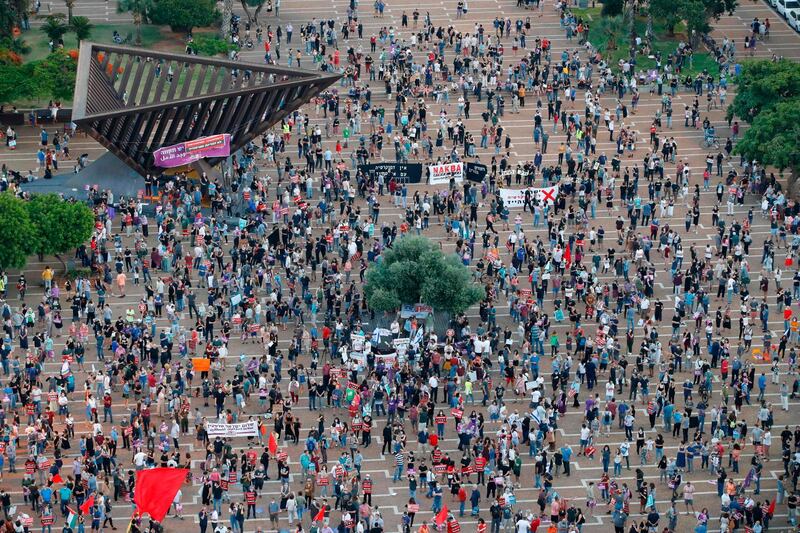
(445,172)
(242,429)
(190,151)
(515,198)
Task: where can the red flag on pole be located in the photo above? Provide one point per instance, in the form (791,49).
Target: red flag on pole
(441,516)
(156,489)
(58,479)
(771,509)
(87,504)
(273,444)
(320,516)
(568,256)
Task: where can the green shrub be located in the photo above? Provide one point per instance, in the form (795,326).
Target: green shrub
(183,15)
(209,45)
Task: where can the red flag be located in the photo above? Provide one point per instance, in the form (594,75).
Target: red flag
(58,479)
(320,515)
(535,524)
(273,444)
(87,504)
(156,489)
(568,256)
(441,516)
(771,509)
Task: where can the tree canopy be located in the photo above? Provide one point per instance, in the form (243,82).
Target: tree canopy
(82,28)
(60,226)
(768,97)
(762,84)
(16,82)
(183,15)
(415,270)
(773,138)
(43,225)
(696,13)
(54,76)
(17,231)
(12,12)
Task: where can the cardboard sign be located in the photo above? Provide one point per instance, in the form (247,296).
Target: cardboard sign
(201,364)
(242,429)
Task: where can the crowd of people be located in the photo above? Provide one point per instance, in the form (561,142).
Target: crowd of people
(261,272)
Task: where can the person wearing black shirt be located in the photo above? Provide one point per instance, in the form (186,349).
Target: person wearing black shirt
(203,520)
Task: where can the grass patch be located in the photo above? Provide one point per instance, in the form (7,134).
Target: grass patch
(587,13)
(663,42)
(38,41)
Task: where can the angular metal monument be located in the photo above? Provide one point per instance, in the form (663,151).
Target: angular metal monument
(134,101)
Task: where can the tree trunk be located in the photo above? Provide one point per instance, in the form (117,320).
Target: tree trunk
(793,185)
(246,9)
(63,263)
(258,10)
(227,15)
(137,21)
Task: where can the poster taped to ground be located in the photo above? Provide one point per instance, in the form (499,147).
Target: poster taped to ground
(443,173)
(242,429)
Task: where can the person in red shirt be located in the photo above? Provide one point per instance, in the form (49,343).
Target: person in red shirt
(453,526)
(462,500)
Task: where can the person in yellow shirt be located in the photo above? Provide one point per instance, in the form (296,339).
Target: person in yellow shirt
(47,277)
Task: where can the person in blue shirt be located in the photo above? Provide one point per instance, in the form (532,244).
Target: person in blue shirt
(64,495)
(47,495)
(566,454)
(762,386)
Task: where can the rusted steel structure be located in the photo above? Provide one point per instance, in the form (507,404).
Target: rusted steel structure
(134,101)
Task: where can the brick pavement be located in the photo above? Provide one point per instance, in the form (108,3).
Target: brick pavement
(390,497)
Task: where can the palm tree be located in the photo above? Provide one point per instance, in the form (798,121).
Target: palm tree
(227,15)
(82,28)
(140,9)
(55,27)
(611,27)
(70,6)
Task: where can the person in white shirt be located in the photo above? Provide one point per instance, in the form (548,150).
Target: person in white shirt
(139,460)
(176,503)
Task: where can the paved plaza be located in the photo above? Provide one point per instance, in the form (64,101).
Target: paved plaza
(390,497)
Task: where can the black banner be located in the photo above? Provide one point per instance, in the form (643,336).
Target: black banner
(408,172)
(476,172)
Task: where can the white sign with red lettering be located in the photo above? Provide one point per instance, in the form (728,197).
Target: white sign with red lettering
(445,172)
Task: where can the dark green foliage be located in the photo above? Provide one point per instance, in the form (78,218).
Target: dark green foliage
(183,15)
(415,270)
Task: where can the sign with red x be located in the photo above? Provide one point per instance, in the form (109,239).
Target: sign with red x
(547,194)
